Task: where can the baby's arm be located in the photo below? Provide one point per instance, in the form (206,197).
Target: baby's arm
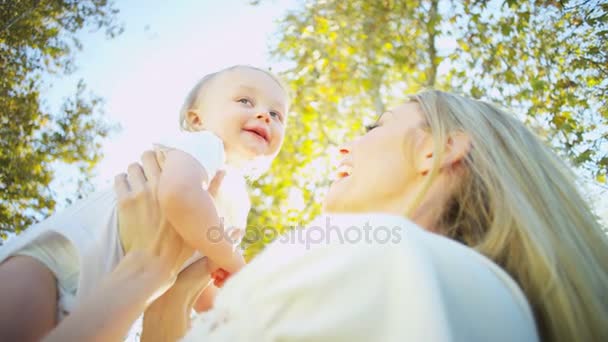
(191,210)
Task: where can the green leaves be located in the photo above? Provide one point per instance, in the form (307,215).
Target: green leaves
(546,59)
(351,59)
(37,37)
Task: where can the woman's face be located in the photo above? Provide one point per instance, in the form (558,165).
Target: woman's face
(381,170)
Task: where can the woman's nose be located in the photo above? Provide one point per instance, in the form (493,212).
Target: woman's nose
(264,116)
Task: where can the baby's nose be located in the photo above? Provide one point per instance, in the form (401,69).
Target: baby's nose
(264,116)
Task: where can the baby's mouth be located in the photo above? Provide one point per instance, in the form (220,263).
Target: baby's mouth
(260,132)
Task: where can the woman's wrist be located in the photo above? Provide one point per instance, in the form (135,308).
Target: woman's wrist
(168,317)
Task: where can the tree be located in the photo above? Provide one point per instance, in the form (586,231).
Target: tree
(349,60)
(548,60)
(38,38)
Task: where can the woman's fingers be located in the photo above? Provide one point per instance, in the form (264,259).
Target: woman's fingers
(136,177)
(121,186)
(151,166)
(216,182)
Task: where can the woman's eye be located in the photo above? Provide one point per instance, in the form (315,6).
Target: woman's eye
(370,127)
(244,101)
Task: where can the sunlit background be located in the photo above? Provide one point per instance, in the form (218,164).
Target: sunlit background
(344,61)
(144,74)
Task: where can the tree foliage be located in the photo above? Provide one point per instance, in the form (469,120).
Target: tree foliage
(38,38)
(549,61)
(348,60)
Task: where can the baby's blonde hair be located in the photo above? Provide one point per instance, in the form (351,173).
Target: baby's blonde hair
(193,100)
(518,204)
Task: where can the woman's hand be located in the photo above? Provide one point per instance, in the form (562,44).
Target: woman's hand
(153,255)
(139,215)
(141,223)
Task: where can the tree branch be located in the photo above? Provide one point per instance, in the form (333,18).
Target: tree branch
(432,49)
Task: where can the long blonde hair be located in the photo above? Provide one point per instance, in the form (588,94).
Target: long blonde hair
(519,206)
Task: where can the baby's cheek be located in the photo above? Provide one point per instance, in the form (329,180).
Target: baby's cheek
(278,141)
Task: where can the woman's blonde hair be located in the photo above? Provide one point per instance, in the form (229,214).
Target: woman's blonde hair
(518,205)
(193,100)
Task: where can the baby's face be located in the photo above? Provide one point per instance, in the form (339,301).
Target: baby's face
(247,109)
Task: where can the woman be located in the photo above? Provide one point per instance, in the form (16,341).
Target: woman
(464,171)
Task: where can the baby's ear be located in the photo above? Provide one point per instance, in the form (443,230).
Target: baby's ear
(195,119)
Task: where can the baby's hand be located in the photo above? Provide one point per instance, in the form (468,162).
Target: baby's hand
(220,275)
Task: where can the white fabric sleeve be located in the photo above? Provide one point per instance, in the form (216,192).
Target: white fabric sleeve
(297,291)
(204,146)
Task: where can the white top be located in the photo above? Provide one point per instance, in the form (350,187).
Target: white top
(204,146)
(81,244)
(387,280)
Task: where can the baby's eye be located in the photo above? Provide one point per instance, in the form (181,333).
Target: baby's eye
(275,115)
(244,101)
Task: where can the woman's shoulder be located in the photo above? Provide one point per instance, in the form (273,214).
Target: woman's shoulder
(372,277)
(471,286)
(420,271)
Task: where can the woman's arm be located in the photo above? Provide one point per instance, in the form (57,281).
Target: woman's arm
(155,253)
(191,209)
(108,313)
(205,300)
(168,318)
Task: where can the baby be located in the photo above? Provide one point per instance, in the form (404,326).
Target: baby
(233,119)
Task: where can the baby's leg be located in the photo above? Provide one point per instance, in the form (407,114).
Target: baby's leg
(28,293)
(60,256)
(38,282)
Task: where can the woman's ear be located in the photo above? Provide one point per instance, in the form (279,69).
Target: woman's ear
(457,148)
(195,119)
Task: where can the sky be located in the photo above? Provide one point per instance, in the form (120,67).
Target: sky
(145,73)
